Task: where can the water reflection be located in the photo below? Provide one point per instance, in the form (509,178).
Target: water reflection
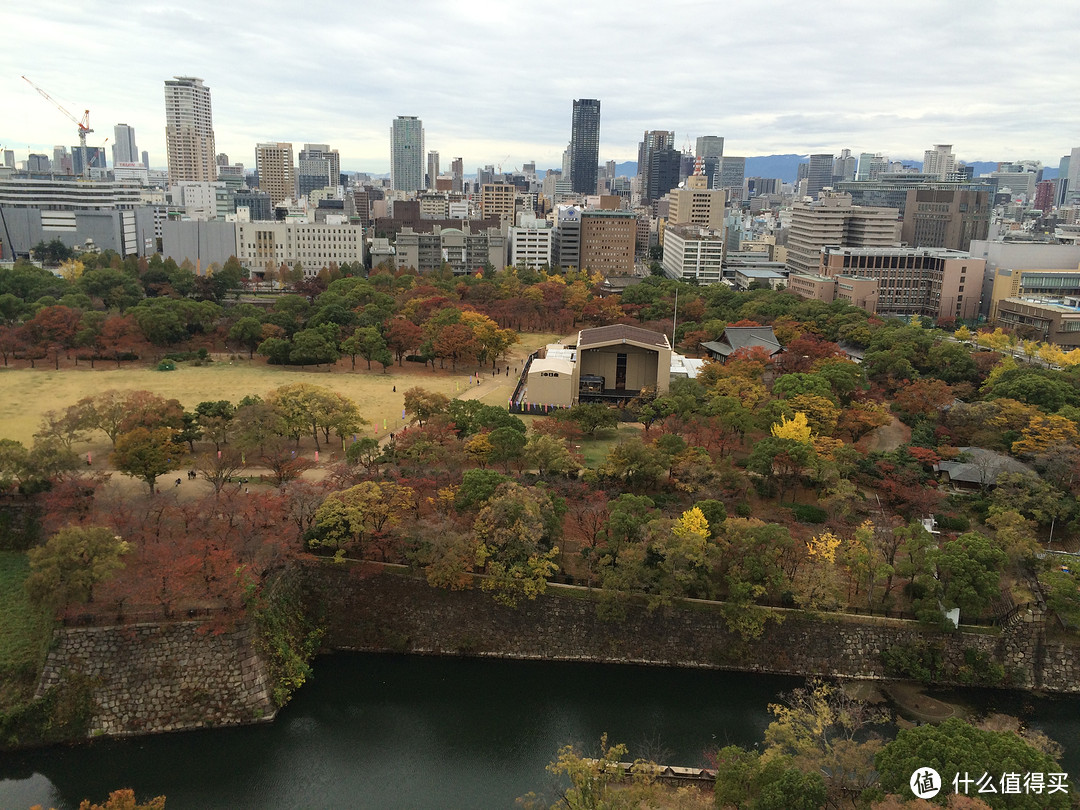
(383,731)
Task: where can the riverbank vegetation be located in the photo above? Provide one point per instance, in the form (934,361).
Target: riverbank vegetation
(826,749)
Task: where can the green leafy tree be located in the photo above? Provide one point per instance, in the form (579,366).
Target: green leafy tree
(71,563)
(248,333)
(356,517)
(516,529)
(782,461)
(638,464)
(591,417)
(424,404)
(146,454)
(368,342)
(969,569)
(548,455)
(477,487)
(955,748)
(313,347)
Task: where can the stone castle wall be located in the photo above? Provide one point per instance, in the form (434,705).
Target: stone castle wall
(387,611)
(166,677)
(163,677)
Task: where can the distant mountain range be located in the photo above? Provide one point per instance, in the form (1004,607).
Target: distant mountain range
(786,167)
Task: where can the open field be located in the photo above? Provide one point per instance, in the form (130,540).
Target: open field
(26,394)
(596,450)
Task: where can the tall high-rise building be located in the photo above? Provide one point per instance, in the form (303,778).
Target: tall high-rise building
(9,158)
(277,173)
(457,175)
(1071,191)
(189,130)
(650,140)
(585,145)
(432,169)
(939,161)
(124,149)
(871,166)
(320,167)
(819,174)
(407,153)
(730,175)
(844,167)
(661,173)
(709,146)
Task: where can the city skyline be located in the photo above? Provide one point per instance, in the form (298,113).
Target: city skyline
(883,82)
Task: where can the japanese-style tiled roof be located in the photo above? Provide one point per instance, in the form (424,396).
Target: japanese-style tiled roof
(744,337)
(606,335)
(981,467)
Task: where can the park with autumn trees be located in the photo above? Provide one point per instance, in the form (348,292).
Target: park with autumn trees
(808,480)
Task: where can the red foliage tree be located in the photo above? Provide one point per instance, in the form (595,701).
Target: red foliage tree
(403,336)
(120,335)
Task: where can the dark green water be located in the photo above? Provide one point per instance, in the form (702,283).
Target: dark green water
(380,731)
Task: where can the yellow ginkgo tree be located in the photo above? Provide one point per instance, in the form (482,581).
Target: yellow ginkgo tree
(797,428)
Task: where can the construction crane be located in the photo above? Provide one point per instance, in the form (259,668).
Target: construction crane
(83,125)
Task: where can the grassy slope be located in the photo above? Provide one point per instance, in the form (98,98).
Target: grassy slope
(24,631)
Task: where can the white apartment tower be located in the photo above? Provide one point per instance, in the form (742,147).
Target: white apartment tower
(939,161)
(189,130)
(407,153)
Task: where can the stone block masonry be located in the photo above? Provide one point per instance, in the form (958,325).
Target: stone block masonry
(396,612)
(163,677)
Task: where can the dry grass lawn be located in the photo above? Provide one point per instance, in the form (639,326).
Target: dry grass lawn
(26,394)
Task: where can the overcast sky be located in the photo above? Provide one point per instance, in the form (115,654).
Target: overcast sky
(494,82)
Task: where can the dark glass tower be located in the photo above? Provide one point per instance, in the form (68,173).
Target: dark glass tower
(585,145)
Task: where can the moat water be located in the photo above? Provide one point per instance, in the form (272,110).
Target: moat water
(385,731)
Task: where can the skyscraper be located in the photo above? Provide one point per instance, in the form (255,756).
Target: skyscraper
(819,174)
(709,146)
(457,173)
(189,130)
(939,161)
(432,169)
(277,174)
(124,149)
(844,167)
(730,176)
(320,167)
(585,145)
(871,166)
(651,140)
(407,153)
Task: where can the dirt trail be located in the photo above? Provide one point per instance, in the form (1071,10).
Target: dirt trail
(885,438)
